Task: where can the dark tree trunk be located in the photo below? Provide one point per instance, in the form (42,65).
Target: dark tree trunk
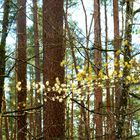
(5,23)
(37,66)
(109,129)
(126,72)
(54,111)
(97,62)
(116,57)
(21,68)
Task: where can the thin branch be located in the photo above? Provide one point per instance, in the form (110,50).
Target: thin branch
(130,113)
(136,11)
(135,96)
(24,110)
(91,111)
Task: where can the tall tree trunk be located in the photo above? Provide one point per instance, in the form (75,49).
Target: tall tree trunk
(5,23)
(72,119)
(21,69)
(97,62)
(116,56)
(68,121)
(37,66)
(88,115)
(120,133)
(32,117)
(113,110)
(1,127)
(6,119)
(108,98)
(54,111)
(116,48)
(14,132)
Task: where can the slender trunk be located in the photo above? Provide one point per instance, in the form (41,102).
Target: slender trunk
(97,61)
(6,119)
(68,121)
(5,24)
(1,127)
(108,98)
(21,69)
(87,137)
(88,115)
(113,110)
(80,127)
(116,55)
(53,54)
(72,112)
(120,134)
(13,136)
(32,128)
(37,66)
(72,116)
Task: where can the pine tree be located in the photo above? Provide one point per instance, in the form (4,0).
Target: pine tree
(53,54)
(21,69)
(97,64)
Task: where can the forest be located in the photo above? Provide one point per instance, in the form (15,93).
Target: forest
(69,69)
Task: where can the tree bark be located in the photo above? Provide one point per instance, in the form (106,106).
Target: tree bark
(109,132)
(6,119)
(53,54)
(120,130)
(37,66)
(97,62)
(116,48)
(21,68)
(5,24)
(116,57)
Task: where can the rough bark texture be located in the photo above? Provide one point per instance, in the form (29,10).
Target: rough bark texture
(2,46)
(5,23)
(21,68)
(120,126)
(6,119)
(116,56)
(109,134)
(97,62)
(54,112)
(37,66)
(116,47)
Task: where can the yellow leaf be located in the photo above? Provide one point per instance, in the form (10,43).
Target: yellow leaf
(81,75)
(116,64)
(126,63)
(125,42)
(114,73)
(128,78)
(100,74)
(130,47)
(120,74)
(78,67)
(62,63)
(118,52)
(89,78)
(90,69)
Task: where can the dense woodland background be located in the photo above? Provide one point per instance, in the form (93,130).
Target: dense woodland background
(69,69)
